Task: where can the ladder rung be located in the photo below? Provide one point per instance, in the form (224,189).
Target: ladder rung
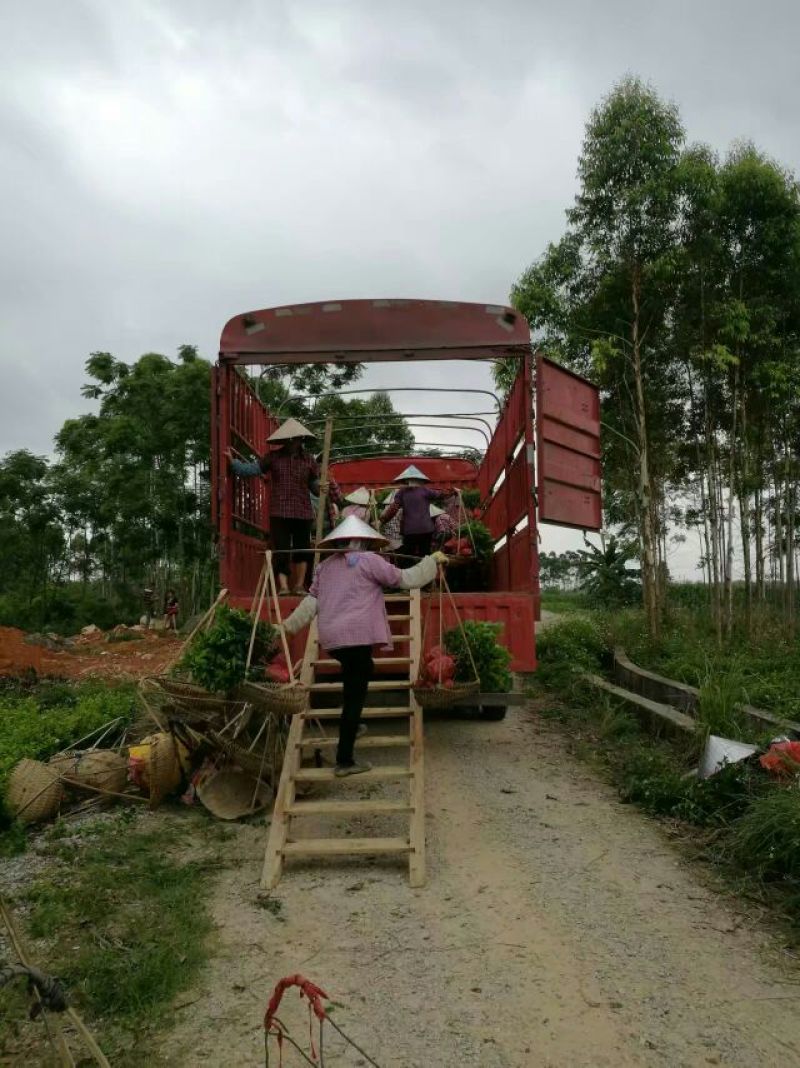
(384,660)
(347,808)
(377,684)
(377,741)
(389,597)
(328,846)
(398,618)
(386,771)
(387,712)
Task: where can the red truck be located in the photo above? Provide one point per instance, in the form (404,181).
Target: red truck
(542,464)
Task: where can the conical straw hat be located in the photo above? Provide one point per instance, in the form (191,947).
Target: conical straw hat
(353,529)
(436,511)
(290,429)
(359,496)
(228,794)
(412,472)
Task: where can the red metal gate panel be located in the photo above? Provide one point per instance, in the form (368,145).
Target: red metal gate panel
(505,479)
(240,506)
(567,448)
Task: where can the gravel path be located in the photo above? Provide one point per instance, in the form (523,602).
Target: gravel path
(558,928)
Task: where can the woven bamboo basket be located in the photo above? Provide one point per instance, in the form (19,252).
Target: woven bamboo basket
(188,702)
(34,791)
(444,696)
(264,759)
(104,769)
(276,697)
(164,770)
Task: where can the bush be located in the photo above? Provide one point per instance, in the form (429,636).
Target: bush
(217,657)
(655,781)
(766,840)
(726,795)
(569,649)
(491,658)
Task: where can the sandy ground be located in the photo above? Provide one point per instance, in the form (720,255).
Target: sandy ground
(558,928)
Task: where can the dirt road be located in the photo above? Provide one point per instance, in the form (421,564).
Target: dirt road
(558,928)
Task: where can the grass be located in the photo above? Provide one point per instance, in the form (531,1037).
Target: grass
(565,602)
(747,823)
(40,720)
(124,920)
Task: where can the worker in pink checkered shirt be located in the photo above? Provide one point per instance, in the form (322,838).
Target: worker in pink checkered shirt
(347,597)
(294,474)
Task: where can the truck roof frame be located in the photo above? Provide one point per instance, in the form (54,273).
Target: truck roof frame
(374,331)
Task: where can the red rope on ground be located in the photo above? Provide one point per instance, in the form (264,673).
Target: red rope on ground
(307,989)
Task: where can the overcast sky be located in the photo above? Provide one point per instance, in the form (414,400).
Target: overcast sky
(164,165)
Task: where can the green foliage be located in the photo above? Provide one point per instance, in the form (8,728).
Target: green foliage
(569,649)
(766,840)
(491,658)
(725,796)
(605,577)
(478,535)
(217,657)
(471,498)
(37,726)
(652,779)
(721,695)
(558,570)
(564,602)
(124,505)
(126,924)
(47,719)
(761,669)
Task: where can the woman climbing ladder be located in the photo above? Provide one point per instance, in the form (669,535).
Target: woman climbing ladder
(347,596)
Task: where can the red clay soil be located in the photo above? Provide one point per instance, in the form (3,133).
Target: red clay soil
(91,656)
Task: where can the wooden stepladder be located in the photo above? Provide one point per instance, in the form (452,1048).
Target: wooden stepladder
(394,678)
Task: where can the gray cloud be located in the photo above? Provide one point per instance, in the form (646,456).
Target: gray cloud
(167,163)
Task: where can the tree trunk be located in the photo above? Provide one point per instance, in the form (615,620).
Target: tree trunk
(731,497)
(744,522)
(645,488)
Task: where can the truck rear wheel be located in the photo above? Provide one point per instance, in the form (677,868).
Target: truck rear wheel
(494,713)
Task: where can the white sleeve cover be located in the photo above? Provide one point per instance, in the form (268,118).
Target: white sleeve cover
(301,616)
(411,578)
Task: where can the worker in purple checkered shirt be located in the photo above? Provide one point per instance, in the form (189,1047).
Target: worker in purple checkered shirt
(347,597)
(294,474)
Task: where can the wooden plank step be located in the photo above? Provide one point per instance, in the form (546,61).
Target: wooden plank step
(341,846)
(371,741)
(347,808)
(376,684)
(385,660)
(388,712)
(379,774)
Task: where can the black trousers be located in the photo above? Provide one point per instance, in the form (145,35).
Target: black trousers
(418,545)
(289,534)
(357,669)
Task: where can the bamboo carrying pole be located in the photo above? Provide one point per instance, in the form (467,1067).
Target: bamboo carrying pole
(255,609)
(207,616)
(70,1013)
(276,604)
(323,493)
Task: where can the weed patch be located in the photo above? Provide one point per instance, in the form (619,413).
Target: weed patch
(125,923)
(38,721)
